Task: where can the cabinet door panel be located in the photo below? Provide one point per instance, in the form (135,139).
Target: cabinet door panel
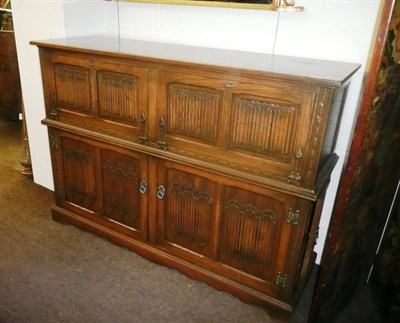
(100,182)
(238,229)
(269,128)
(108,96)
(262,127)
(256,238)
(80,168)
(123,202)
(121,93)
(187,214)
(71,86)
(250,231)
(192,108)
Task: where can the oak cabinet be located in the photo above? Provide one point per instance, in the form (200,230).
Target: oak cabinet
(10,87)
(212,162)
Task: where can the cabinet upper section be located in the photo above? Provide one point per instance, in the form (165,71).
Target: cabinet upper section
(264,118)
(273,66)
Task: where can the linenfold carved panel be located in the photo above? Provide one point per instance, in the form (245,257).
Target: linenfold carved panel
(189,214)
(263,127)
(72,86)
(248,231)
(193,112)
(79,173)
(117,97)
(121,188)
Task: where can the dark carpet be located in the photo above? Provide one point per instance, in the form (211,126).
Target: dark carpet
(51,272)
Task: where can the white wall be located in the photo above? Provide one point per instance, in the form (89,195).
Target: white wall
(327,29)
(36,20)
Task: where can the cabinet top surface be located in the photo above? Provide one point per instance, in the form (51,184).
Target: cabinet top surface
(330,72)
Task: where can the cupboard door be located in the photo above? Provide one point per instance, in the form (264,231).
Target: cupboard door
(111,95)
(260,236)
(121,94)
(191,106)
(103,183)
(187,214)
(262,127)
(249,234)
(277,128)
(77,174)
(268,128)
(124,185)
(70,90)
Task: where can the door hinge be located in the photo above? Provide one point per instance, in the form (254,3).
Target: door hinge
(53,107)
(55,142)
(293,216)
(294,176)
(281,279)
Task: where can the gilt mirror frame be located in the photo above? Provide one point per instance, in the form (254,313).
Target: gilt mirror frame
(274,5)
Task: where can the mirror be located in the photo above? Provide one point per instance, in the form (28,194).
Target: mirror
(276,5)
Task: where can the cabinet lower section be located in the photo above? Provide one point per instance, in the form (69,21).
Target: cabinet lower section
(239,237)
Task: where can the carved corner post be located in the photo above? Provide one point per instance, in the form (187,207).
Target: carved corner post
(26,161)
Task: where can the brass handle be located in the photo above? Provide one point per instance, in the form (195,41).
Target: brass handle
(3,67)
(143,136)
(143,187)
(162,143)
(161,192)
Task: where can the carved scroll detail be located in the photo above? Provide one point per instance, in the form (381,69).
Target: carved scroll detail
(120,169)
(197,195)
(253,210)
(319,112)
(77,155)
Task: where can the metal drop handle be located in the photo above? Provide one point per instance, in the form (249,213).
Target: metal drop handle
(143,187)
(161,192)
